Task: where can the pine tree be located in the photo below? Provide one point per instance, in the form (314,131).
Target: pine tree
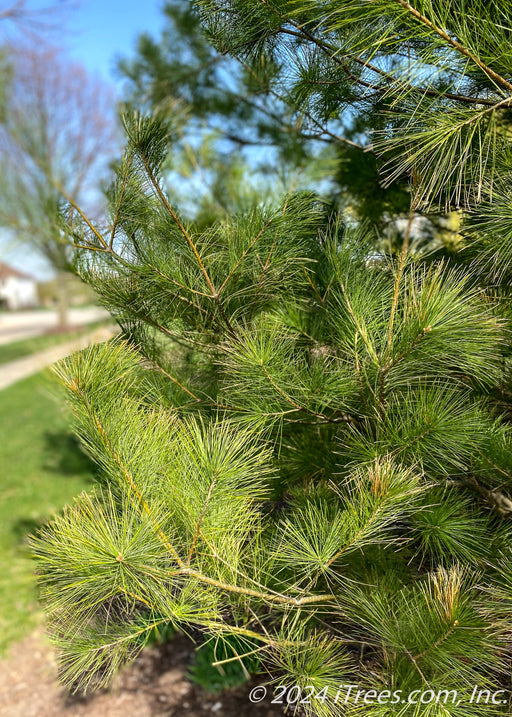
(304,441)
(233,143)
(242,110)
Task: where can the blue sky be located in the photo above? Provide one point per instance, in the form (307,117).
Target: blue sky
(95,33)
(100,30)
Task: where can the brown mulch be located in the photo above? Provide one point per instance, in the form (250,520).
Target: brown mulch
(154,686)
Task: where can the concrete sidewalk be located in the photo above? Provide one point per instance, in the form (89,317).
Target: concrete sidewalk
(18,325)
(28,365)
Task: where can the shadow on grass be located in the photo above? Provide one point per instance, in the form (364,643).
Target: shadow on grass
(64,455)
(24,527)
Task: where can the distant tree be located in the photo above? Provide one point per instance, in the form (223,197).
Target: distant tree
(256,110)
(22,15)
(232,138)
(293,112)
(57,134)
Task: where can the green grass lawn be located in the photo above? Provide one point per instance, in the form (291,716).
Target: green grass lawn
(25,347)
(42,468)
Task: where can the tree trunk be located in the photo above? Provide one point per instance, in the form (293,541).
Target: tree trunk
(62,300)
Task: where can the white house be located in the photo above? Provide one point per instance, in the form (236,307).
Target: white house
(17,290)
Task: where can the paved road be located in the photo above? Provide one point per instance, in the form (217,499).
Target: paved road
(26,366)
(17,325)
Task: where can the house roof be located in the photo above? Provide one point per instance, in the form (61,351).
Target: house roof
(7,271)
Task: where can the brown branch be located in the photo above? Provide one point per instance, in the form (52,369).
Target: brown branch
(360,331)
(221,406)
(121,196)
(268,597)
(309,116)
(244,254)
(163,329)
(89,247)
(360,376)
(129,479)
(455,44)
(239,658)
(331,51)
(315,290)
(346,418)
(354,540)
(438,642)
(206,314)
(413,659)
(174,380)
(201,518)
(491,463)
(58,186)
(183,568)
(394,362)
(163,199)
(261,278)
(420,90)
(396,293)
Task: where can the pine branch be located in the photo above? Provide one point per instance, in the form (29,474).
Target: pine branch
(120,200)
(244,253)
(391,80)
(396,293)
(265,596)
(197,530)
(129,479)
(161,195)
(456,45)
(183,567)
(438,642)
